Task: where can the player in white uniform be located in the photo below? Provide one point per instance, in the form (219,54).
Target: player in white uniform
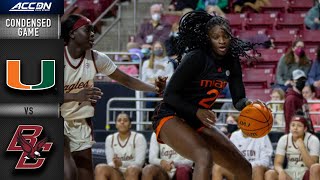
(257,151)
(81,65)
(125,152)
(301,149)
(165,163)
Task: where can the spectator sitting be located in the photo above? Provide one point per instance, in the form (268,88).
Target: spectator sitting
(311,19)
(294,99)
(277,94)
(213,6)
(153,30)
(157,65)
(257,151)
(125,152)
(231,123)
(309,93)
(295,58)
(165,163)
(301,150)
(314,74)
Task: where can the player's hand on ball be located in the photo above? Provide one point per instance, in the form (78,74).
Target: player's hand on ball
(89,94)
(258,101)
(207,117)
(160,83)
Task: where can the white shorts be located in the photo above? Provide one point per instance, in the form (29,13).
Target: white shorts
(79,133)
(296,173)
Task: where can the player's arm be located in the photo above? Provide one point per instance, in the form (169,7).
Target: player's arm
(106,66)
(236,86)
(109,150)
(135,83)
(278,163)
(280,154)
(88,94)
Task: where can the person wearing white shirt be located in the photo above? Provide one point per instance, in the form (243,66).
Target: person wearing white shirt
(125,152)
(157,65)
(257,151)
(165,163)
(300,148)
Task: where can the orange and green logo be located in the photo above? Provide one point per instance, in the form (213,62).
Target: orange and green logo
(47,76)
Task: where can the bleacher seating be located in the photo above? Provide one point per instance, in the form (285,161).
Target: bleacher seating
(261,21)
(170,18)
(269,58)
(275,6)
(311,52)
(299,5)
(260,93)
(260,78)
(91,8)
(283,38)
(290,21)
(236,20)
(247,34)
(310,38)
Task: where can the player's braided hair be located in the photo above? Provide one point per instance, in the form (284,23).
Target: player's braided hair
(193,34)
(66,27)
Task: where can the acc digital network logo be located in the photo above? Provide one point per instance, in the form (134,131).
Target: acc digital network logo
(30,146)
(32,6)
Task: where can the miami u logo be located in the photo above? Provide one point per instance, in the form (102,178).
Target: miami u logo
(47,75)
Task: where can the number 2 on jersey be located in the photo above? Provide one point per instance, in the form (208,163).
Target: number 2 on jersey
(208,102)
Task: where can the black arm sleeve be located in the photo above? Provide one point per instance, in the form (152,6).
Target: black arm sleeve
(236,86)
(191,66)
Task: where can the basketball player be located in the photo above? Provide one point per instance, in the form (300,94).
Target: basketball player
(125,152)
(165,163)
(301,150)
(183,120)
(257,151)
(81,65)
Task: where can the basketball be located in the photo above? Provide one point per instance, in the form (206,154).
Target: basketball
(255,120)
